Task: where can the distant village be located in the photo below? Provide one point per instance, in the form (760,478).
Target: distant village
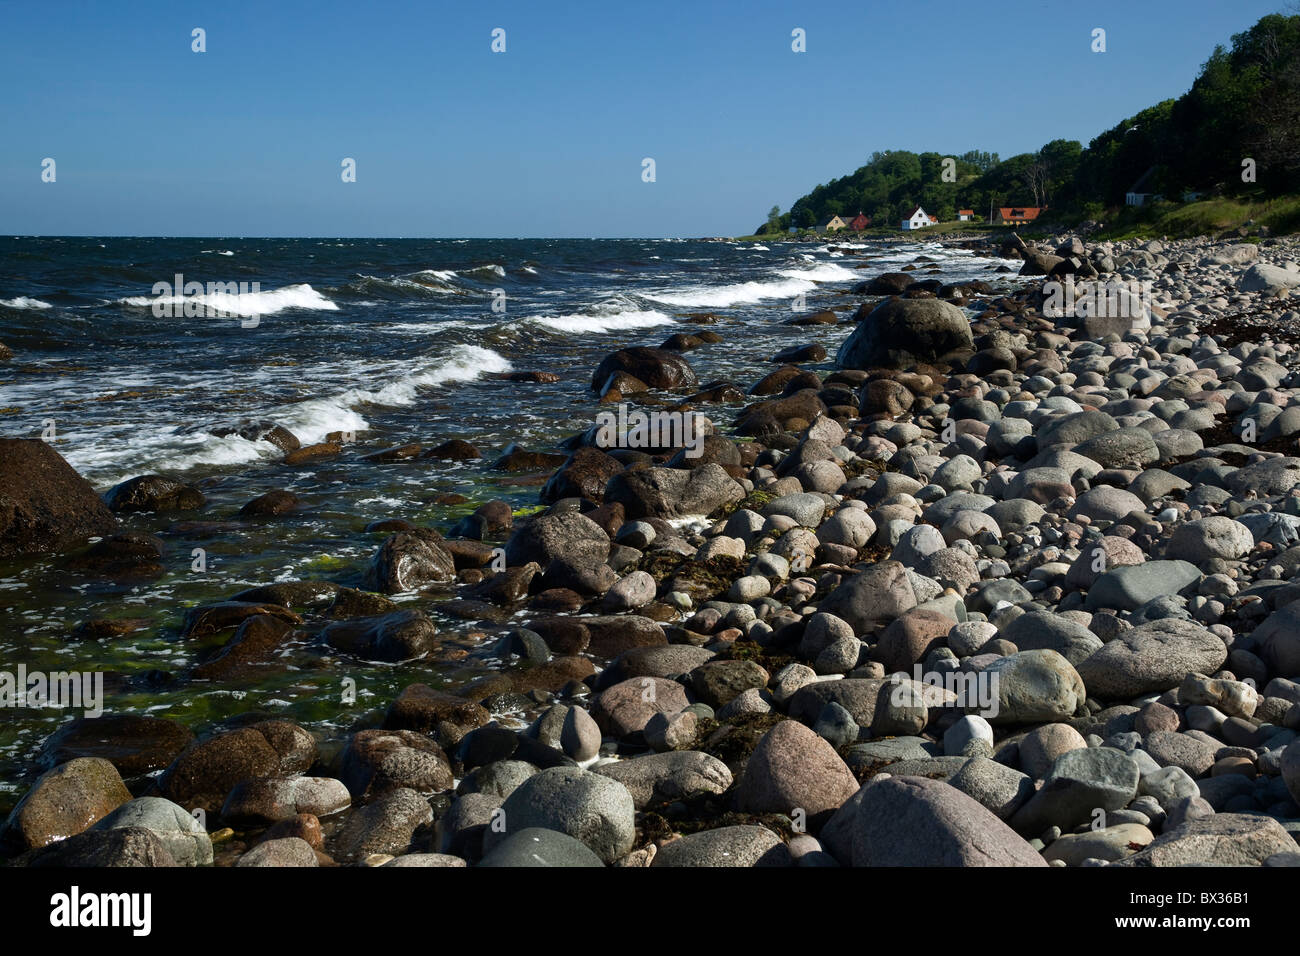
(920,219)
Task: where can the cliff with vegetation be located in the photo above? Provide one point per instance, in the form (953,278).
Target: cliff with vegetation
(1232,139)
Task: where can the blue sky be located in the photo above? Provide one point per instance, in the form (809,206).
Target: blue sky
(546,139)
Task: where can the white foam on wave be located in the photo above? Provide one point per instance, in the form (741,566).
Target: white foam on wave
(822,272)
(298,296)
(741,293)
(607,322)
(25,302)
(432,327)
(107,455)
(315,418)
(759,247)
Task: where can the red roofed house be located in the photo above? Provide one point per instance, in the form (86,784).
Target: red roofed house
(1017,215)
(965,215)
(859,222)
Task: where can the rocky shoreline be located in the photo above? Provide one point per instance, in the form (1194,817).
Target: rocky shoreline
(1010,590)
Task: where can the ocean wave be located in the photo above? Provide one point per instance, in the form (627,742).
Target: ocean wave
(605,322)
(822,272)
(315,418)
(299,296)
(723,296)
(25,302)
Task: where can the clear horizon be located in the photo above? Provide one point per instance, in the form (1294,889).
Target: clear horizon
(247,139)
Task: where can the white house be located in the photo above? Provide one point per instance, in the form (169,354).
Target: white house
(1137,194)
(917,220)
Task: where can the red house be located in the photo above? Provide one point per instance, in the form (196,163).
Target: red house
(859,222)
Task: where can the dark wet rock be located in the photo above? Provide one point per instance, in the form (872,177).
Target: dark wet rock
(273,504)
(672,492)
(126,554)
(410,560)
(906,331)
(153,493)
(350,603)
(45,506)
(292,594)
(135,744)
(517,459)
(325,449)
(208,619)
(250,653)
(377,761)
(204,774)
(584,474)
(565,535)
(454,450)
(399,453)
(399,636)
(445,717)
(658,368)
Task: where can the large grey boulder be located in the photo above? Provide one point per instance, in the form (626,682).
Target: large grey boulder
(726,846)
(1033,687)
(907,331)
(661,778)
(873,597)
(180,832)
(915,821)
(1224,839)
(1151,657)
(589,807)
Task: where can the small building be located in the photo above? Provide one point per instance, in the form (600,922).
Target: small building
(965,215)
(918,219)
(833,224)
(1137,194)
(1017,215)
(859,222)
